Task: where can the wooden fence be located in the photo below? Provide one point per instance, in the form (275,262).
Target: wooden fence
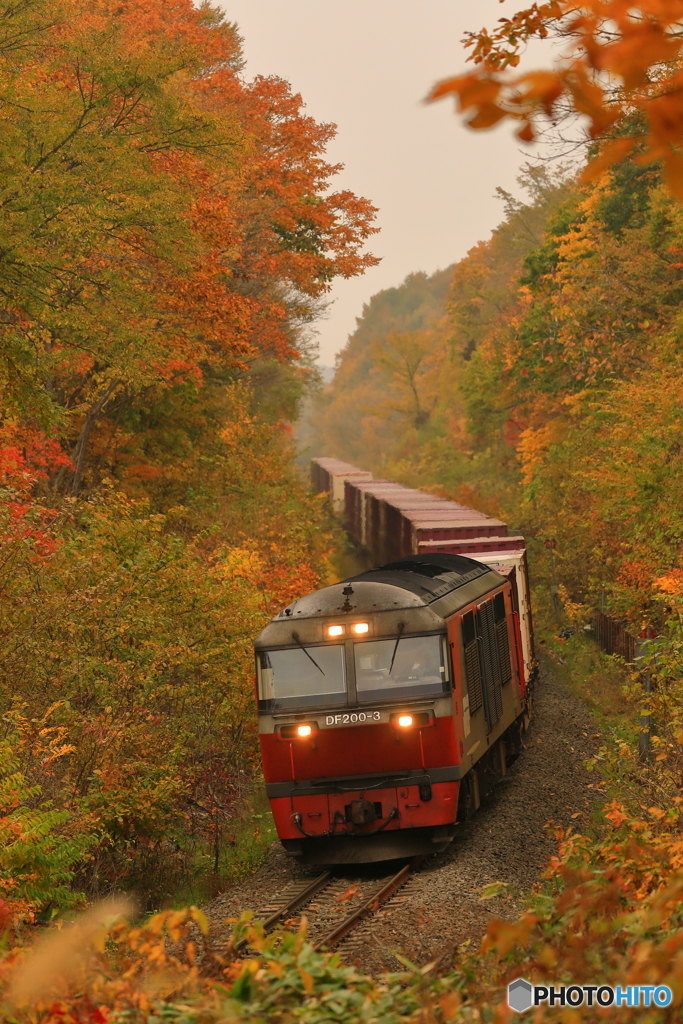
(613,637)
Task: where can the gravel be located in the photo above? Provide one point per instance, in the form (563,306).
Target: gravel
(507,841)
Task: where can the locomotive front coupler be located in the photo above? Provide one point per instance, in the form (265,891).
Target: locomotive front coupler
(348,833)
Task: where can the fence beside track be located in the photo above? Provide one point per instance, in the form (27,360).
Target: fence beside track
(611,634)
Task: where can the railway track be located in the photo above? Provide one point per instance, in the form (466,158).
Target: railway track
(288,904)
(326,897)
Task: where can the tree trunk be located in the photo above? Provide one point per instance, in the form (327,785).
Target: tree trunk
(81,446)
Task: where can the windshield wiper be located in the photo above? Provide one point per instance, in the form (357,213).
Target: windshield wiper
(296,640)
(398,640)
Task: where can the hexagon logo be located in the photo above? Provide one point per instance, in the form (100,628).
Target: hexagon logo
(520,995)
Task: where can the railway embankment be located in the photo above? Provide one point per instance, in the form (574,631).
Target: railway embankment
(441,905)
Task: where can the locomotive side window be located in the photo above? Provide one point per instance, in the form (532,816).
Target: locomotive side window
(297,677)
(405,666)
(472,670)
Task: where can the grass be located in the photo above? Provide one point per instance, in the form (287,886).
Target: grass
(240,854)
(600,681)
(596,678)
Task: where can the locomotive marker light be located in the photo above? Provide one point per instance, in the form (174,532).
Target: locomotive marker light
(304,730)
(405,720)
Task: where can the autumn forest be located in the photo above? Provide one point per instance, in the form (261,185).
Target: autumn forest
(169,234)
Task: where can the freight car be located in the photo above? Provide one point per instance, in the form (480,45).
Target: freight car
(389,521)
(330,475)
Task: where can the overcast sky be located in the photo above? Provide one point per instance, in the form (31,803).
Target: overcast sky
(367,65)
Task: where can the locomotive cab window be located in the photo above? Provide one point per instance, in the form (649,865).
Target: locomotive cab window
(301,677)
(410,666)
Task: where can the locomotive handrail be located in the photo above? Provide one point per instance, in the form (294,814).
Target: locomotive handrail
(392,780)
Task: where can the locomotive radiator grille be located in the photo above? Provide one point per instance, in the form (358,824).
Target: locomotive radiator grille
(473,676)
(490,663)
(504,652)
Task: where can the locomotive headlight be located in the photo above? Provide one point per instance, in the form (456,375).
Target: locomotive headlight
(335,630)
(417,720)
(298,732)
(361,627)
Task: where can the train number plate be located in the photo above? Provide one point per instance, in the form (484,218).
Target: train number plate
(354,718)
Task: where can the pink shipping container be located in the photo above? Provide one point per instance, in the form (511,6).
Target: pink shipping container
(440,529)
(330,475)
(391,521)
(472,546)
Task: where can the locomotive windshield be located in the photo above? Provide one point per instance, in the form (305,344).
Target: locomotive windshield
(301,677)
(413,666)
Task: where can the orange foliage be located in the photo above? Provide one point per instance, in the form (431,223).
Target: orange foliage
(27,458)
(622,57)
(197,234)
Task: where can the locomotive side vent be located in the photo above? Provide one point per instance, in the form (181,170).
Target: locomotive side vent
(504,651)
(503,639)
(472,670)
(490,663)
(473,676)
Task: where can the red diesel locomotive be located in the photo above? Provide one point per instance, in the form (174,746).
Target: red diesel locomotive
(389,704)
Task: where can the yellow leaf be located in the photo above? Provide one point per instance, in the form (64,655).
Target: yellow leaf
(487,116)
(201,920)
(547,957)
(348,894)
(450,1004)
(307,980)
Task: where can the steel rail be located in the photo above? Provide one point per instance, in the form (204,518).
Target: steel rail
(293,904)
(341,930)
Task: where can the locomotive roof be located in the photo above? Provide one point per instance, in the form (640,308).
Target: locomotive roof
(427,576)
(414,594)
(410,582)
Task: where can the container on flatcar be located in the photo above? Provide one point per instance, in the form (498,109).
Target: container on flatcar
(391,521)
(329,476)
